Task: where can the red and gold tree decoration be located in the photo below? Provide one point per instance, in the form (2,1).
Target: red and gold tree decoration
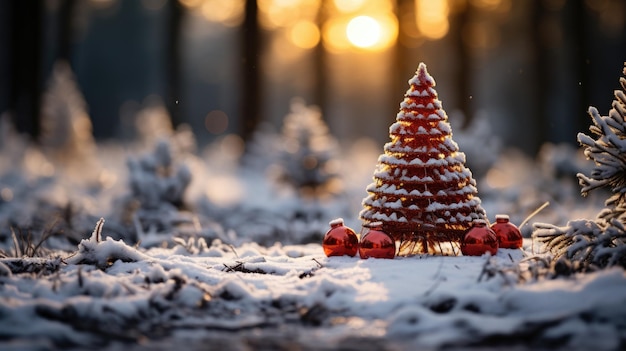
(422,191)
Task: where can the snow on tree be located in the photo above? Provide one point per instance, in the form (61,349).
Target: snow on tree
(157,188)
(599,243)
(607,152)
(155,180)
(263,149)
(422,191)
(66,130)
(12,144)
(307,157)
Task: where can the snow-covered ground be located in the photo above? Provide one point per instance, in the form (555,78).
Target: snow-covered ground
(110,294)
(236,261)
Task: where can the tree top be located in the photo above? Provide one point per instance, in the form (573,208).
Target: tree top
(422,78)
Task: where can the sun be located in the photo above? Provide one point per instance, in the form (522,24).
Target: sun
(363,31)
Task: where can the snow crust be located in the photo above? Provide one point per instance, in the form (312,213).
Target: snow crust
(108,287)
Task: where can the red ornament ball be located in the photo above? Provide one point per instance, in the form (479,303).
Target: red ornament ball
(479,239)
(509,236)
(340,240)
(376,243)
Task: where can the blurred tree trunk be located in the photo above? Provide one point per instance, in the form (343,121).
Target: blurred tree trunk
(66,30)
(174,100)
(319,62)
(542,72)
(463,77)
(250,104)
(25,63)
(402,52)
(580,54)
(5,55)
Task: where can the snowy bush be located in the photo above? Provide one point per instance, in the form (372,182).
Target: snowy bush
(602,242)
(308,150)
(157,186)
(155,180)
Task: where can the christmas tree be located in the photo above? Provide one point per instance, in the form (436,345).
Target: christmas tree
(66,134)
(598,243)
(607,152)
(308,155)
(422,191)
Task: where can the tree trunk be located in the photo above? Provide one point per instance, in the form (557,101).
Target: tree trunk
(66,30)
(250,104)
(174,101)
(463,77)
(26,86)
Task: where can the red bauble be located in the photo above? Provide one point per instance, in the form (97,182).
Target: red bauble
(340,240)
(479,239)
(509,236)
(376,243)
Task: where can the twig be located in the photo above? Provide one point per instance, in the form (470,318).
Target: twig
(532,240)
(18,251)
(437,279)
(534,213)
(484,270)
(44,236)
(318,262)
(234,251)
(97,232)
(138,227)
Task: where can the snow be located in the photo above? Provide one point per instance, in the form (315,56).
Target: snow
(456,158)
(421,77)
(336,221)
(426,301)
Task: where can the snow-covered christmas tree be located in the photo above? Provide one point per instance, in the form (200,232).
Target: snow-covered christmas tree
(308,155)
(66,134)
(601,242)
(607,151)
(422,191)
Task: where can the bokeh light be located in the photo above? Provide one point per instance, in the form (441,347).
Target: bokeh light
(305,34)
(372,32)
(363,31)
(227,12)
(216,122)
(6,194)
(334,34)
(274,14)
(348,6)
(432,18)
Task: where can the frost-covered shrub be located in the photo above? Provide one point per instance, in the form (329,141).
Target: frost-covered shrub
(155,181)
(602,242)
(263,150)
(307,160)
(157,187)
